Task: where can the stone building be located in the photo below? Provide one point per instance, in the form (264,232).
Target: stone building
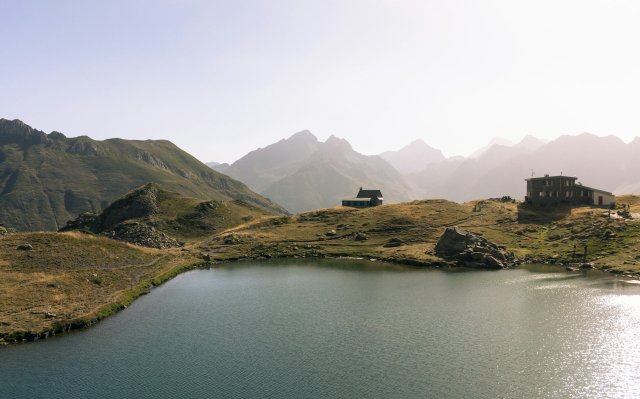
(550,190)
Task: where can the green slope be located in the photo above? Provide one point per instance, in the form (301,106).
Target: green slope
(47,179)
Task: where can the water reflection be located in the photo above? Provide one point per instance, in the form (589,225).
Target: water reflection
(349,328)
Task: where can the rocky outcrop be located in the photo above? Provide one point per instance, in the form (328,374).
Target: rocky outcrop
(85,221)
(471,250)
(128,219)
(142,234)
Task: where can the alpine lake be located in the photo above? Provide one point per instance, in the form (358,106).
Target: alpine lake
(349,329)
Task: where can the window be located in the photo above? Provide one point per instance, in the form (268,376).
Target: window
(541,194)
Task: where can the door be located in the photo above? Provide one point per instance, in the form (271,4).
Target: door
(600,200)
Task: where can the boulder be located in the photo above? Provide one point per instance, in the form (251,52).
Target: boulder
(25,247)
(230,239)
(330,233)
(360,236)
(393,242)
(587,266)
(470,250)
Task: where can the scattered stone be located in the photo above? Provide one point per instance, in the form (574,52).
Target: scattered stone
(231,240)
(360,236)
(50,315)
(470,250)
(142,234)
(393,242)
(206,256)
(330,233)
(25,247)
(3,231)
(570,269)
(587,266)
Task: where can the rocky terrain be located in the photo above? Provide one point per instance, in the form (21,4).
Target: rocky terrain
(152,217)
(471,250)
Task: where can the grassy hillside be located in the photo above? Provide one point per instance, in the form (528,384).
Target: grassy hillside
(147,214)
(47,179)
(69,280)
(533,235)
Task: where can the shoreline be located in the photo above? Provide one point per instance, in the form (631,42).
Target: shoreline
(144,288)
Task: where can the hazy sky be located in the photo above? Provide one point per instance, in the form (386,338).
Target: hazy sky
(221,78)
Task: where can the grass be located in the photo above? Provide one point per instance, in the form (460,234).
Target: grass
(71,280)
(534,235)
(74,279)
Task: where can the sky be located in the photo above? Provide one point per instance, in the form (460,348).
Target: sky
(222,78)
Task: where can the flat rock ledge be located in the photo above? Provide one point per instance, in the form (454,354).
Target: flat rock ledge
(471,250)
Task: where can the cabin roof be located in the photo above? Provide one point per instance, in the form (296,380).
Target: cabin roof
(369,193)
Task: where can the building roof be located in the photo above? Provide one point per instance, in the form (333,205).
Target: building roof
(369,193)
(357,199)
(547,177)
(593,189)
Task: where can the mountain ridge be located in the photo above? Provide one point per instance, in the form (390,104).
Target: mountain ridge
(494,171)
(302,173)
(46,180)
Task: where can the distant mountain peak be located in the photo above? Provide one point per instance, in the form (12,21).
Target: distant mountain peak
(500,141)
(530,142)
(305,135)
(337,143)
(413,157)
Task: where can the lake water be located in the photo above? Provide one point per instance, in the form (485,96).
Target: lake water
(349,329)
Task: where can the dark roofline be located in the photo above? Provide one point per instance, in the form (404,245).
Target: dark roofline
(369,193)
(551,177)
(594,189)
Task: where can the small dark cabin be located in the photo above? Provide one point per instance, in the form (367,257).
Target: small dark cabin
(564,189)
(364,199)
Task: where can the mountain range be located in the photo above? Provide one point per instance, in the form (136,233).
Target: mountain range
(302,173)
(47,179)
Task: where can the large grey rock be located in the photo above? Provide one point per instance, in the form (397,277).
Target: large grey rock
(470,250)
